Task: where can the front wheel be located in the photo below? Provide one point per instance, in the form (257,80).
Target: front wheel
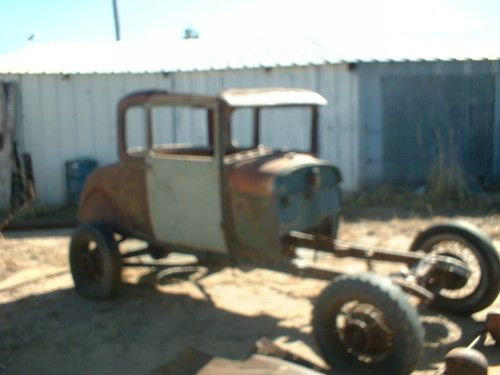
(466,243)
(95,261)
(365,325)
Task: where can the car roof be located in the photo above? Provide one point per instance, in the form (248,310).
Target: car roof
(263,97)
(254,97)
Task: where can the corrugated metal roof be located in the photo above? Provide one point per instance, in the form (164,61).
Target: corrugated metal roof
(215,54)
(168,56)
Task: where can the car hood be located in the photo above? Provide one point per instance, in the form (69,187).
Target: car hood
(256,172)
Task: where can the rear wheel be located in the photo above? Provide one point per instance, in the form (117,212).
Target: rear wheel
(364,324)
(95,261)
(468,244)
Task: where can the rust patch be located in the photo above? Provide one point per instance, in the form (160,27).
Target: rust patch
(255,174)
(117,195)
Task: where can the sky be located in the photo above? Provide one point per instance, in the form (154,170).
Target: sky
(349,20)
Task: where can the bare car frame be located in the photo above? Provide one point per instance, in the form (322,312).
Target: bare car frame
(216,199)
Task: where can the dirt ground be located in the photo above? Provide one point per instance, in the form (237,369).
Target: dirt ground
(46,328)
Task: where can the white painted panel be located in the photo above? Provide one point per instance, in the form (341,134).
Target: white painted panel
(339,125)
(162,126)
(33,133)
(182,118)
(185,202)
(241,127)
(328,137)
(84,109)
(156,81)
(286,128)
(68,125)
(198,125)
(242,118)
(214,81)
(197,83)
(115,88)
(135,130)
(103,120)
(51,140)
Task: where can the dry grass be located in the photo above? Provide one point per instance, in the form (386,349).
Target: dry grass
(447,179)
(447,186)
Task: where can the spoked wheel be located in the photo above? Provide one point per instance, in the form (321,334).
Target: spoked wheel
(95,261)
(472,247)
(364,324)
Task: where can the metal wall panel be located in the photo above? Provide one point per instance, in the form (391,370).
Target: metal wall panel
(339,130)
(426,117)
(372,132)
(406,106)
(33,131)
(51,137)
(71,116)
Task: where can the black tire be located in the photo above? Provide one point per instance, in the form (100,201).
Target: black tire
(483,285)
(95,261)
(404,334)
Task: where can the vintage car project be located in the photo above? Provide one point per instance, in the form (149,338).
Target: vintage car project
(246,202)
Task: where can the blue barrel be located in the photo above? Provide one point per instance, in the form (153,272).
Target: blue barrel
(77,171)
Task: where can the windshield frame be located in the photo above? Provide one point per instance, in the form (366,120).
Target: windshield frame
(256,124)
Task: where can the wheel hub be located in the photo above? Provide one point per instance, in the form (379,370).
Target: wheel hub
(365,331)
(357,335)
(86,261)
(89,261)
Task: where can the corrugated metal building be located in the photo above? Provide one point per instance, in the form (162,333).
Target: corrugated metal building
(384,123)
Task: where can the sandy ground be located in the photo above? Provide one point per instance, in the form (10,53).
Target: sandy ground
(46,328)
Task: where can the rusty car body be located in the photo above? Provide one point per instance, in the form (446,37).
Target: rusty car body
(214,197)
(243,188)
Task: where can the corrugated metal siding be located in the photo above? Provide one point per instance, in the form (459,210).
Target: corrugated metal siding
(69,117)
(72,116)
(432,116)
(410,112)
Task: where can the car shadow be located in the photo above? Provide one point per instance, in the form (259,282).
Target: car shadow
(144,328)
(444,332)
(36,233)
(137,332)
